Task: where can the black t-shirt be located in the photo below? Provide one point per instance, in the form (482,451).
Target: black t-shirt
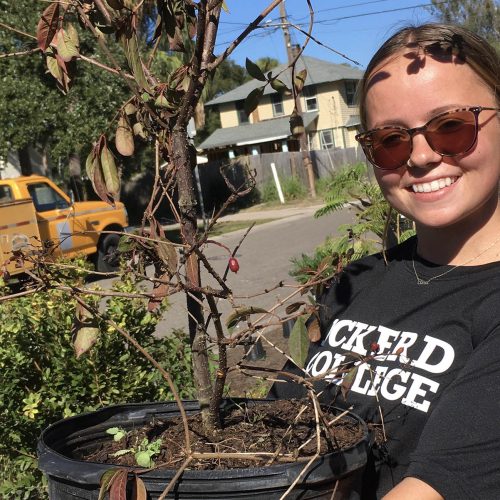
(440,397)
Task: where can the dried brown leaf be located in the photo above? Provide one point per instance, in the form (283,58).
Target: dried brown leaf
(47,25)
(85,338)
(313,330)
(168,255)
(118,489)
(291,308)
(300,80)
(139,492)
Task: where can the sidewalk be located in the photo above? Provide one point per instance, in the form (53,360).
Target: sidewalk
(258,212)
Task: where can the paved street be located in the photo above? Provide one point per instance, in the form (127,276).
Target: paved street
(264,257)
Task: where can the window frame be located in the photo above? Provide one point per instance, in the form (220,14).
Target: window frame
(350,94)
(240,111)
(326,144)
(58,201)
(310,95)
(6,194)
(277,101)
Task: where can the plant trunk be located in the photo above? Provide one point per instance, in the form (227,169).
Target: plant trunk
(185,161)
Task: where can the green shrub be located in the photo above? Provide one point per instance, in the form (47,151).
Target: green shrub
(42,381)
(323,185)
(351,186)
(293,189)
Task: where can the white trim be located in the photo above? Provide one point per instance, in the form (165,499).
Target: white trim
(258,141)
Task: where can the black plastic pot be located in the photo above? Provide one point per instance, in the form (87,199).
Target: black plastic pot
(71,479)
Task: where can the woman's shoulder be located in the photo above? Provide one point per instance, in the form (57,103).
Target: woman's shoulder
(380,261)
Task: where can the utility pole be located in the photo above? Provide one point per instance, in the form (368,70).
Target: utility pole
(306,159)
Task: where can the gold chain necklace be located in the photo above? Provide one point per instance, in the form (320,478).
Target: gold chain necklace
(421,281)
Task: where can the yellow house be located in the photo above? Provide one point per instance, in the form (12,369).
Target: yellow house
(329,111)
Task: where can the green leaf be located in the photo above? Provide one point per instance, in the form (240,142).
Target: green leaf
(134,60)
(125,244)
(110,172)
(254,71)
(143,458)
(53,66)
(66,48)
(224,6)
(348,380)
(299,342)
(253,99)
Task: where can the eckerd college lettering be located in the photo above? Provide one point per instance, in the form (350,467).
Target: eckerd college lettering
(393,377)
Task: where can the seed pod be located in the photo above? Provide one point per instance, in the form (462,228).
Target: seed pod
(124,139)
(110,172)
(130,108)
(234,265)
(139,130)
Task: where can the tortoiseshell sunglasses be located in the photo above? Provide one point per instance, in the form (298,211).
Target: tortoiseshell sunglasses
(450,133)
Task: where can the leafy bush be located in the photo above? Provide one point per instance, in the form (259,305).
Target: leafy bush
(43,381)
(374,222)
(323,185)
(293,189)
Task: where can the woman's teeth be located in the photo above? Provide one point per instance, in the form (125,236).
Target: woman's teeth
(428,187)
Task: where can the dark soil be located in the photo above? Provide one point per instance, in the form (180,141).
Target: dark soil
(272,428)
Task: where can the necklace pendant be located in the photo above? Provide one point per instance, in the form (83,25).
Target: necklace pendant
(420,281)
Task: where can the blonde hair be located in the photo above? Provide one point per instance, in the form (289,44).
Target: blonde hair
(445,42)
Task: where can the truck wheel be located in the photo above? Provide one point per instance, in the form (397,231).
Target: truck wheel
(108,259)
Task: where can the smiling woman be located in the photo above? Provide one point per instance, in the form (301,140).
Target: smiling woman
(425,315)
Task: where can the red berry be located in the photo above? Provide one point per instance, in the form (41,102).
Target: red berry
(233,265)
(374,347)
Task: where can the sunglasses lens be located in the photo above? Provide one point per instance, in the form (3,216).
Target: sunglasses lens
(453,133)
(390,148)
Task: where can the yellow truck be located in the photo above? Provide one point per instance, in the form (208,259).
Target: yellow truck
(35,212)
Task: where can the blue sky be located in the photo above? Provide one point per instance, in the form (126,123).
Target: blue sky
(355,28)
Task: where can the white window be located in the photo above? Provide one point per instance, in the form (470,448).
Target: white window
(277,102)
(310,98)
(350,92)
(326,139)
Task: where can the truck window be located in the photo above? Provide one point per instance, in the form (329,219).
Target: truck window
(5,194)
(45,198)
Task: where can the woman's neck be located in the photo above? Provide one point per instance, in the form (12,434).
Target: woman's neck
(470,240)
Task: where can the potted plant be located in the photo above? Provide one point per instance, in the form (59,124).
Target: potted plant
(158,111)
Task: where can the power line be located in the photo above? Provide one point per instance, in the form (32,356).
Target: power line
(380,12)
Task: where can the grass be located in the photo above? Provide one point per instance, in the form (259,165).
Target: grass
(219,229)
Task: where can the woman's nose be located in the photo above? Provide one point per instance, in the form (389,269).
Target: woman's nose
(422,155)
